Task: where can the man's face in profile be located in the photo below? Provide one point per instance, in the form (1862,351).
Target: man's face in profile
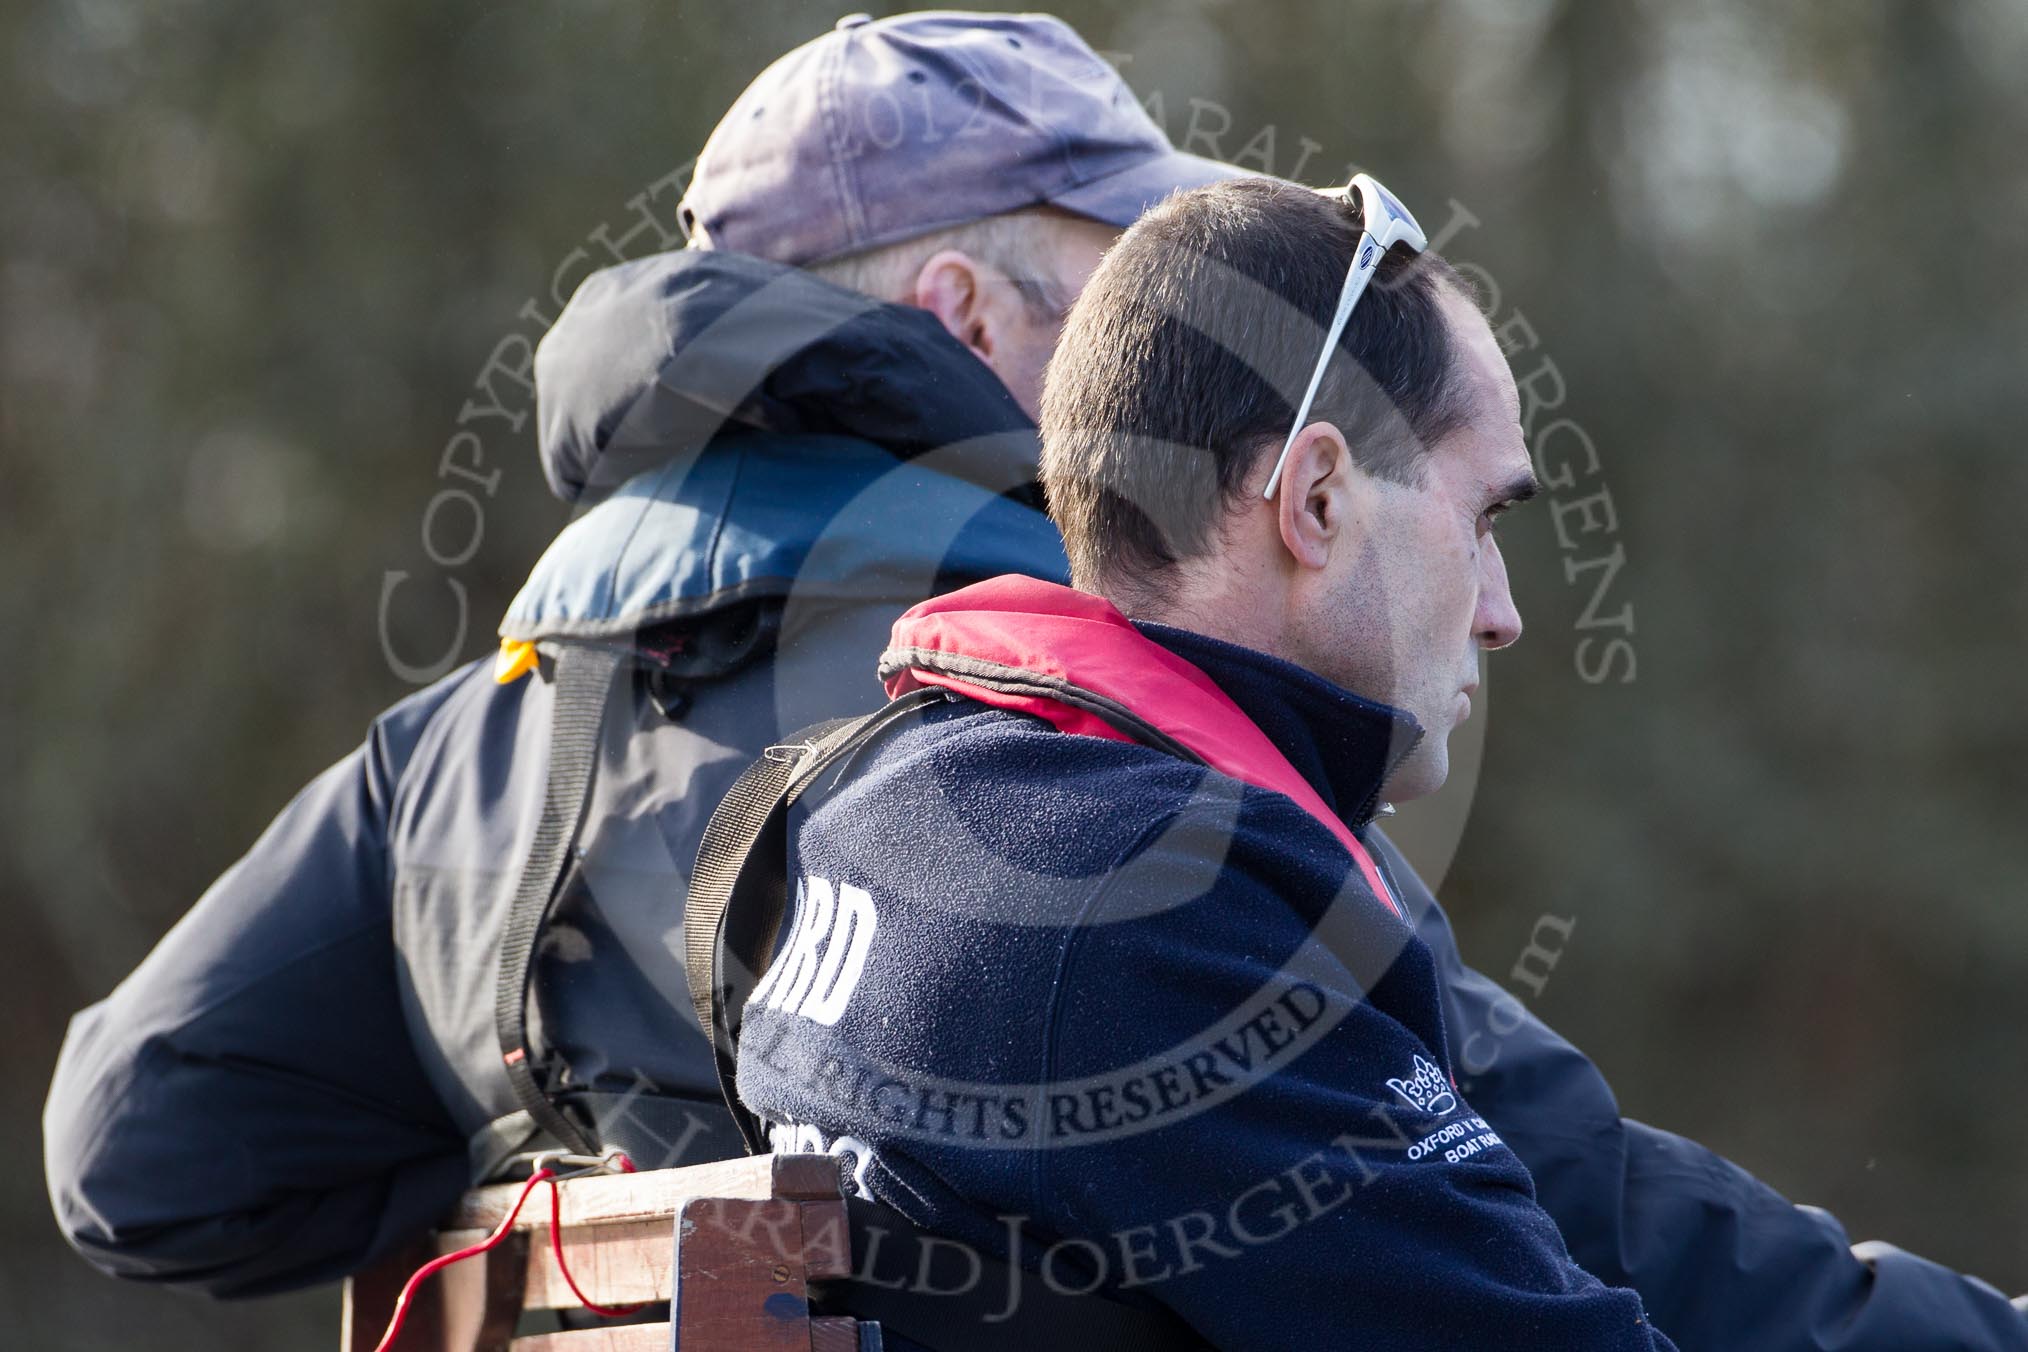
(1427,590)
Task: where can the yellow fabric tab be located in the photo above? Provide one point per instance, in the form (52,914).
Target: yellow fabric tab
(516,660)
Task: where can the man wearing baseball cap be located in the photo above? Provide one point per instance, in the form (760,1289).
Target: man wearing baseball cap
(883,131)
(363,1016)
(779,438)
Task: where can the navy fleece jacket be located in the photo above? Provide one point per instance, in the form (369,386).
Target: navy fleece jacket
(1132,1023)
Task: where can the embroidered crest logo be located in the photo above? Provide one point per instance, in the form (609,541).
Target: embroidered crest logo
(1428,1091)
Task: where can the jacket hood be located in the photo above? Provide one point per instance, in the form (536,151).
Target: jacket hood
(731,428)
(675,350)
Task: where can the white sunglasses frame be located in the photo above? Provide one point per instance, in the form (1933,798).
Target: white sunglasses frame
(1377,208)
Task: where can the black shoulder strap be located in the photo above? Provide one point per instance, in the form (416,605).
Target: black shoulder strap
(739,887)
(584,681)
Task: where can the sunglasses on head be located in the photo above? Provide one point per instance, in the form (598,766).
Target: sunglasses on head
(1385,223)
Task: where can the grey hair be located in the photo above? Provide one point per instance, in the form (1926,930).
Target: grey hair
(1020,244)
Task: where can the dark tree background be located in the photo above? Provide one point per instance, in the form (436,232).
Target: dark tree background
(262,265)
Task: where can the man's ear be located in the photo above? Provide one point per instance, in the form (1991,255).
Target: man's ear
(952,286)
(1320,495)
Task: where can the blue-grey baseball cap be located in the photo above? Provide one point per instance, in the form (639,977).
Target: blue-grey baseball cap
(884,129)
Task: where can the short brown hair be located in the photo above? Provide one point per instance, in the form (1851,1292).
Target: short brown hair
(1185,357)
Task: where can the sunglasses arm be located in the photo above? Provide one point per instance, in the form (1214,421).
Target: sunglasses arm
(1366,260)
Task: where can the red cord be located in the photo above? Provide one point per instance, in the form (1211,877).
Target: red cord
(436,1265)
(556,1247)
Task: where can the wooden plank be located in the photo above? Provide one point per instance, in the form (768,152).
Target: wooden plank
(740,1276)
(467,1307)
(803,1178)
(827,1240)
(601,1198)
(625,1338)
(761,1228)
(623,1263)
(614,1265)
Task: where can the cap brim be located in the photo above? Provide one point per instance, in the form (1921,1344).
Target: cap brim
(1122,198)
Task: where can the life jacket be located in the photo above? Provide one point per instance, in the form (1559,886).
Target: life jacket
(1073,660)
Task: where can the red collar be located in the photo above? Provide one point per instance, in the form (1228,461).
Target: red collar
(1023,644)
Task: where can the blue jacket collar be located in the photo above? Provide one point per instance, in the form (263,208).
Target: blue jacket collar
(735,429)
(668,353)
(818,519)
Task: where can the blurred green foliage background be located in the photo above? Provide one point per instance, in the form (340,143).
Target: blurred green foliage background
(257,260)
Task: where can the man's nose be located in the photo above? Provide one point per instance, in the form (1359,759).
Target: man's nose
(1497,623)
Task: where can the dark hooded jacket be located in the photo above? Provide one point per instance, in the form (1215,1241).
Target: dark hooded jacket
(305,1071)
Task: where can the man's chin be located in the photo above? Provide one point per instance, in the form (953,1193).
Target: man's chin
(1422,773)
